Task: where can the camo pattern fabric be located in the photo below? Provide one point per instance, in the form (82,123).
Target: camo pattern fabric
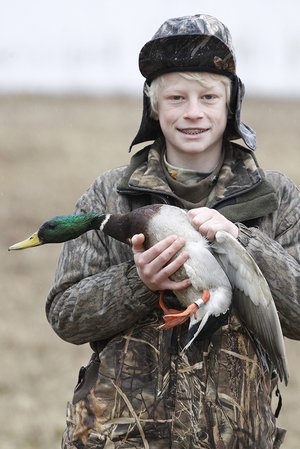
(140,390)
(146,396)
(190,41)
(231,178)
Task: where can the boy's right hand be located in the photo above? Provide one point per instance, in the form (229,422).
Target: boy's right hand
(154,265)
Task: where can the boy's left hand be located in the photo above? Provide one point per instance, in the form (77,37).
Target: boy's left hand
(209,221)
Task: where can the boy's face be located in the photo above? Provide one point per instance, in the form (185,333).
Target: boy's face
(193,119)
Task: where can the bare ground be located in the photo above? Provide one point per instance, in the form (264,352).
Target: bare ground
(51,149)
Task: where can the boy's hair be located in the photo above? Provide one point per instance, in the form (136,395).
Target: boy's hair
(204,78)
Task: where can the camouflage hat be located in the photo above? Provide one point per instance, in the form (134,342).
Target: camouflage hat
(192,43)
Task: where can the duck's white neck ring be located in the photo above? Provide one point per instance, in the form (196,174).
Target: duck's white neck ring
(106,219)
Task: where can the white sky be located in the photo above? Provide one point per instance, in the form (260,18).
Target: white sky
(93,45)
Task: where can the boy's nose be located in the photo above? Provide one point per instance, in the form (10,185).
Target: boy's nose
(194,110)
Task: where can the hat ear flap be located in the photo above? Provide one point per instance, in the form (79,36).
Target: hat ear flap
(245,132)
(235,128)
(149,128)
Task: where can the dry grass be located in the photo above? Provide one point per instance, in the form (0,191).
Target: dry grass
(51,150)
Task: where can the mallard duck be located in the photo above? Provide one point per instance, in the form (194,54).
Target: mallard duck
(213,268)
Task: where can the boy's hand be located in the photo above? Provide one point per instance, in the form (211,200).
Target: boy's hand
(209,221)
(154,266)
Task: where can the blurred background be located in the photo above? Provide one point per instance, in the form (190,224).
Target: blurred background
(70,104)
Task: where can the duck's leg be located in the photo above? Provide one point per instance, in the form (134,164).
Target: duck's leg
(164,307)
(169,317)
(175,317)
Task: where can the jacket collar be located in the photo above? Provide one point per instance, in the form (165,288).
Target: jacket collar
(238,176)
(238,173)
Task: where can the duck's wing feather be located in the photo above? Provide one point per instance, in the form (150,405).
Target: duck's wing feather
(254,304)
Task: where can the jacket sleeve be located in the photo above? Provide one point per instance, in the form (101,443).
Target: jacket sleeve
(97,292)
(275,246)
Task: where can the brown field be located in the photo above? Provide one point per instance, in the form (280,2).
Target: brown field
(51,150)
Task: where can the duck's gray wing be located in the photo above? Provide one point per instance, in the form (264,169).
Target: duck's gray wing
(255,304)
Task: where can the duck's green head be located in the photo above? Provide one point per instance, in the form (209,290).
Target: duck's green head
(61,229)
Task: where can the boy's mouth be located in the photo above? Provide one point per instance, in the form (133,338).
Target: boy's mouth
(193,131)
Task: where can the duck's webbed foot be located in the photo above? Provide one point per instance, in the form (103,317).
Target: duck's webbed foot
(175,317)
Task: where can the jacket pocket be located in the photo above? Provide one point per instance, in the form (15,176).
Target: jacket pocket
(279,438)
(87,378)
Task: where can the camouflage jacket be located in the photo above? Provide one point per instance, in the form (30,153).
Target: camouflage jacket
(139,390)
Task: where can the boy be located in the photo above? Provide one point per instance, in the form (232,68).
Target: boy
(139,389)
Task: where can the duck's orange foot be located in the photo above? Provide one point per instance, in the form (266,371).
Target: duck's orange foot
(170,319)
(175,317)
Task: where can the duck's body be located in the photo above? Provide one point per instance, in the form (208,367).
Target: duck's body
(214,269)
(203,269)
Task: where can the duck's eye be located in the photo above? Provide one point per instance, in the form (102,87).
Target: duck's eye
(51,225)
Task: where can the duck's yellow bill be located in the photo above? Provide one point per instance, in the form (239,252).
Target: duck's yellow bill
(32,241)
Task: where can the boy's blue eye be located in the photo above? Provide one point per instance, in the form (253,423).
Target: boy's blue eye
(209,97)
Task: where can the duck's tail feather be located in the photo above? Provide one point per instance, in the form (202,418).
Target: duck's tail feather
(195,330)
(207,328)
